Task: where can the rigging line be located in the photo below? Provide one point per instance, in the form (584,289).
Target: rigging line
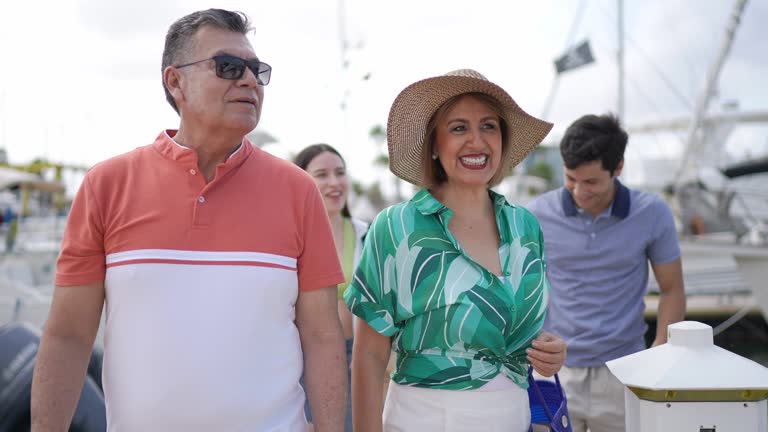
(684,100)
(606,12)
(649,101)
(556,81)
(550,97)
(575,23)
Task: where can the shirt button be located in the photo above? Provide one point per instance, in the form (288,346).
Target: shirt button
(593,235)
(589,222)
(193,172)
(201,199)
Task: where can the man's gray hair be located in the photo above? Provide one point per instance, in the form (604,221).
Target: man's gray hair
(180,37)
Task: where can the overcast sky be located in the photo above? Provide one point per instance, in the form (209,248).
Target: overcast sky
(80,80)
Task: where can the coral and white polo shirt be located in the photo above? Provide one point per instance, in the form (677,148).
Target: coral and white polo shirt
(201,281)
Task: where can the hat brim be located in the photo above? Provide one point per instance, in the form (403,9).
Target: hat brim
(417,103)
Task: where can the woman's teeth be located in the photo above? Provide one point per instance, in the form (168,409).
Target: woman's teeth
(474,160)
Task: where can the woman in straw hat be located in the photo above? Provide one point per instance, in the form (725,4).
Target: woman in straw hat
(453,279)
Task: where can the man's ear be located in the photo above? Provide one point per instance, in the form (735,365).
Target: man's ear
(617,171)
(172,79)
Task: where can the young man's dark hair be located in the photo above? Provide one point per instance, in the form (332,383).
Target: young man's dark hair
(592,138)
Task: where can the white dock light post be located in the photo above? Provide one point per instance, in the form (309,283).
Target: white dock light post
(689,384)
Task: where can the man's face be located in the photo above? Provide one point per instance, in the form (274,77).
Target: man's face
(213,102)
(591,186)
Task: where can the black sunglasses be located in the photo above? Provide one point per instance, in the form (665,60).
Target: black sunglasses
(229,67)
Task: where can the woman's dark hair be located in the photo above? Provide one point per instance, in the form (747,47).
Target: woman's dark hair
(592,138)
(309,153)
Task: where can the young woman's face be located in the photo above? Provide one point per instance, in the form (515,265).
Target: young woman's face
(330,174)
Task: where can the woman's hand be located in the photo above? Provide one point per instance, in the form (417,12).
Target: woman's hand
(547,354)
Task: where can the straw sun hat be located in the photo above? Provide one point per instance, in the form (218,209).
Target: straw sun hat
(415,105)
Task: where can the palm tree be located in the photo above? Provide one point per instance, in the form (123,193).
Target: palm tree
(378,134)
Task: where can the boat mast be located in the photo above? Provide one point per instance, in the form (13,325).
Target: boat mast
(343,59)
(620,60)
(688,167)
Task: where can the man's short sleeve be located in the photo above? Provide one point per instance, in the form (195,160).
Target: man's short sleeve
(82,260)
(372,295)
(664,246)
(318,264)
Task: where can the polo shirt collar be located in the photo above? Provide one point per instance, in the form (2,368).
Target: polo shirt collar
(170,149)
(619,207)
(427,204)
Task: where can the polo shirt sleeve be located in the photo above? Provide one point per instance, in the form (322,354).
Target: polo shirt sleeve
(82,259)
(663,247)
(372,295)
(534,206)
(318,264)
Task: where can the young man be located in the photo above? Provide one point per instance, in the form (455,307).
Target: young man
(219,282)
(600,237)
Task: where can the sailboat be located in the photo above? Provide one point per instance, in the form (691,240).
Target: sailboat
(723,221)
(740,243)
(31,231)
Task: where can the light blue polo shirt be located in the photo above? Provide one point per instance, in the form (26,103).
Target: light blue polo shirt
(598,270)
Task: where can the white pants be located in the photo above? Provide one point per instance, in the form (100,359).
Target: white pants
(409,409)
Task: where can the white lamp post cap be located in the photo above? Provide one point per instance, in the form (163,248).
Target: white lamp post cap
(689,361)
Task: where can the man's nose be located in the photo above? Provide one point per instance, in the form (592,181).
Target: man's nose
(577,189)
(248,79)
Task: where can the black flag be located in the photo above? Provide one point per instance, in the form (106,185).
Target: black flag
(575,57)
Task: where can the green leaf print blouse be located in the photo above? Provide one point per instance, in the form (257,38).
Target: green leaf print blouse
(454,324)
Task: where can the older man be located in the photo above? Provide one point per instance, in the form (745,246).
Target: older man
(218,280)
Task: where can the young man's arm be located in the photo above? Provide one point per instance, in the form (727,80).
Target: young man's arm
(671,299)
(325,359)
(65,349)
